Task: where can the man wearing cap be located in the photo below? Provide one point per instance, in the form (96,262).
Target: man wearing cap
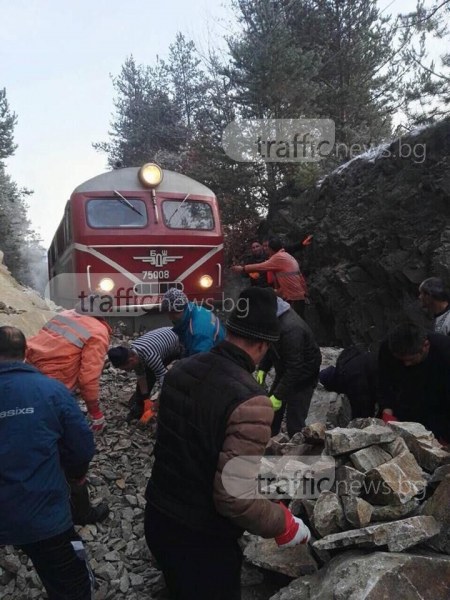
(198,328)
(72,348)
(211,411)
(434,298)
(148,356)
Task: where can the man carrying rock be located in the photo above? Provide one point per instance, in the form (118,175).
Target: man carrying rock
(44,438)
(211,411)
(414,372)
(148,356)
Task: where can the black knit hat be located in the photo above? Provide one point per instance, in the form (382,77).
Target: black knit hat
(118,356)
(255,315)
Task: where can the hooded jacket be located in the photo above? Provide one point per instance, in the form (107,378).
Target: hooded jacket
(42,434)
(199,329)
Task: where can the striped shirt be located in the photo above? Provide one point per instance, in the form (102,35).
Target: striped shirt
(156,349)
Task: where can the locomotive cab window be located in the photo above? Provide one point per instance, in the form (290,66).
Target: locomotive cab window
(116,212)
(191,214)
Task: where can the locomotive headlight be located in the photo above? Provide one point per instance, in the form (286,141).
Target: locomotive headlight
(150,175)
(206,281)
(106,284)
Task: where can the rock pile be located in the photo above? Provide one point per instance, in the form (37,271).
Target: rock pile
(390,492)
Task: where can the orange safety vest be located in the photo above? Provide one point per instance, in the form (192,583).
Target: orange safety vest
(71,348)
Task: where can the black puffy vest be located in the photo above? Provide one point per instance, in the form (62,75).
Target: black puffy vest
(198,396)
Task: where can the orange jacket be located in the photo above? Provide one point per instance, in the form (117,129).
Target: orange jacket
(72,349)
(288,279)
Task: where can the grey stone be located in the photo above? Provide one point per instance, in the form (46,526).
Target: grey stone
(314,433)
(294,562)
(357,511)
(396,535)
(328,514)
(392,512)
(341,441)
(369,458)
(440,474)
(395,482)
(428,452)
(362,423)
(439,507)
(356,575)
(318,408)
(339,413)
(349,481)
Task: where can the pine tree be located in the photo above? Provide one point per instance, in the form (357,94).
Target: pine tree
(427,92)
(147,120)
(8,121)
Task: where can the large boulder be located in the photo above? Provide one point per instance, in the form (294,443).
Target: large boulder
(356,575)
(381,225)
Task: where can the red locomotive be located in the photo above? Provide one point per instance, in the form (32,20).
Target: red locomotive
(130,234)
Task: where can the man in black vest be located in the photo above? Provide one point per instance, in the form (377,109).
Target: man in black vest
(211,411)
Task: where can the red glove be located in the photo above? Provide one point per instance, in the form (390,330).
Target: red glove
(295,531)
(387,417)
(149,411)
(98,421)
(307,241)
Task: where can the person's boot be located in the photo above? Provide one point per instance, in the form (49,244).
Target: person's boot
(83,513)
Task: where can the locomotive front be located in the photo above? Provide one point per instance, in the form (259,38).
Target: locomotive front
(131,234)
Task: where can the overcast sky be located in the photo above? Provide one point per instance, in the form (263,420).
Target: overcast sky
(56,59)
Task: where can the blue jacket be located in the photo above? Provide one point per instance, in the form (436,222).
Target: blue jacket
(42,432)
(199,329)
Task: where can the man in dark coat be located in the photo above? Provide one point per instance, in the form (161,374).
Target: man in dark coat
(414,372)
(211,412)
(44,438)
(296,358)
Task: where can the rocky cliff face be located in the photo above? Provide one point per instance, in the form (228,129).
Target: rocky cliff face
(381,224)
(21,307)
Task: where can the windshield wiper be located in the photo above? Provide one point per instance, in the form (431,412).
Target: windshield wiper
(127,203)
(177,209)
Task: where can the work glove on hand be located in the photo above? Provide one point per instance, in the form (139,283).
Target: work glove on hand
(388,417)
(307,241)
(98,421)
(276,404)
(260,377)
(295,532)
(148,413)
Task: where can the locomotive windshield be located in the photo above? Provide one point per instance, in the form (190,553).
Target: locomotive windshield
(113,212)
(189,214)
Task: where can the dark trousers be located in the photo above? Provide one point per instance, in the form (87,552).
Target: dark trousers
(62,565)
(296,407)
(196,566)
